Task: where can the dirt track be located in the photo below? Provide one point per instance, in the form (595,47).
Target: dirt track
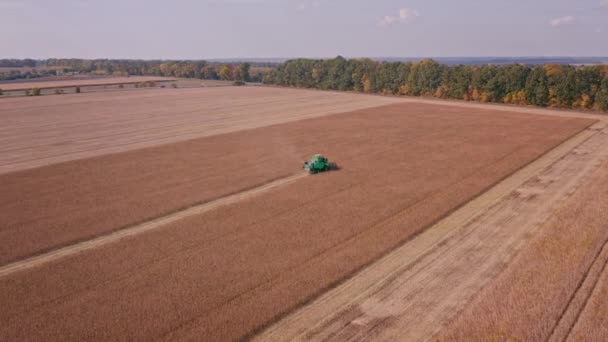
(79,247)
(222,275)
(592,322)
(585,317)
(38,131)
(80,82)
(109,192)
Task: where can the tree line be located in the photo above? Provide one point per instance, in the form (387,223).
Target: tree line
(27,74)
(242,72)
(21,68)
(187,69)
(17,63)
(556,86)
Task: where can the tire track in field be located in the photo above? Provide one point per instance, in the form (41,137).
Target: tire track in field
(571,313)
(144,227)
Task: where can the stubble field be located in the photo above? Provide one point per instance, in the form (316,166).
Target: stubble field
(555,289)
(230,271)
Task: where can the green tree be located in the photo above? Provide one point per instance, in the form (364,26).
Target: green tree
(601,97)
(338,72)
(208,72)
(537,87)
(565,88)
(496,88)
(363,75)
(457,81)
(587,78)
(389,78)
(244,72)
(425,77)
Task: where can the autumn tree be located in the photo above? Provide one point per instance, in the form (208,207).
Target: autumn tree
(226,72)
(555,85)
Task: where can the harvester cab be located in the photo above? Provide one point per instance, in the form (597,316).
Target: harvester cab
(319,163)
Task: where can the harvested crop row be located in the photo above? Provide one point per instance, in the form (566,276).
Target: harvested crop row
(226,273)
(527,301)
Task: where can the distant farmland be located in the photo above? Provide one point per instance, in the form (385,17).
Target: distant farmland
(106,163)
(94,81)
(184,213)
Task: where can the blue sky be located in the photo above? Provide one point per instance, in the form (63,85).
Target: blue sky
(190,29)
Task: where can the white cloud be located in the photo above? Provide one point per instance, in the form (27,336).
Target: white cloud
(561,21)
(406,15)
(604,3)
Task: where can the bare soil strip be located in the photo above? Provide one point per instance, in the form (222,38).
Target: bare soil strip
(412,292)
(70,250)
(82,83)
(224,274)
(45,130)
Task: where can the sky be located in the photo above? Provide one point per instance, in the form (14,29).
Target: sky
(204,29)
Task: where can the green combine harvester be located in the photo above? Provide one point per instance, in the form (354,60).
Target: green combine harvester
(318,163)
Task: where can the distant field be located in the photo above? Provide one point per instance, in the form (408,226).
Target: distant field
(26,69)
(85,125)
(59,85)
(197,83)
(225,273)
(81,83)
